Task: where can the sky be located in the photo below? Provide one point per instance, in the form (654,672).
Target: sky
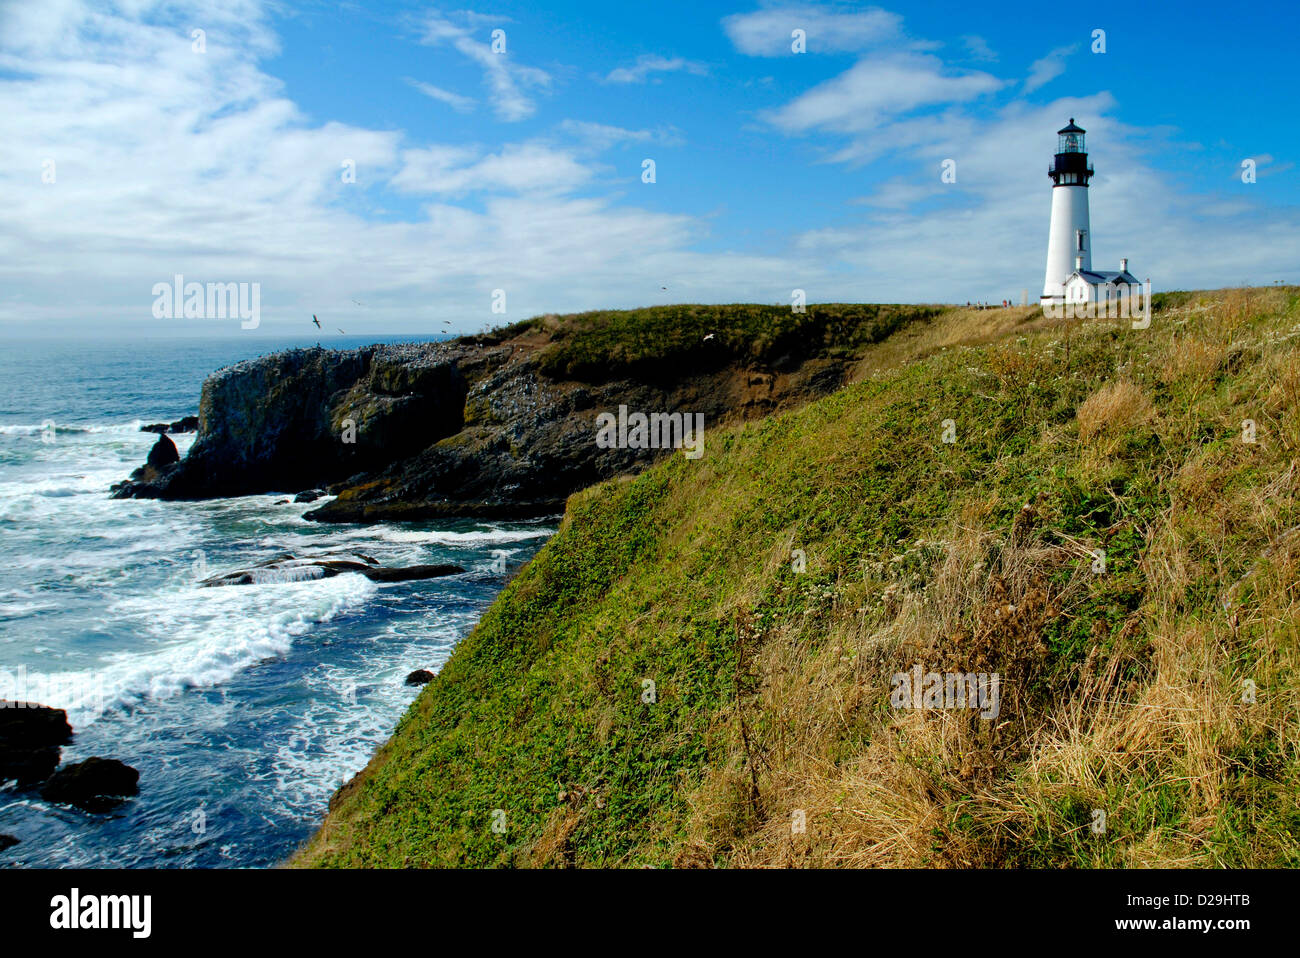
(405,168)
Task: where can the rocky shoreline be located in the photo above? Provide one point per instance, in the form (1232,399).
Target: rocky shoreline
(478,427)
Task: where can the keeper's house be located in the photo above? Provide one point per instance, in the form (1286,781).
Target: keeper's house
(1099,287)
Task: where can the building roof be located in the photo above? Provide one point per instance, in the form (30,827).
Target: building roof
(1095,277)
(1071,128)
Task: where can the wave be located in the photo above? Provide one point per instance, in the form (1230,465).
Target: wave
(398,536)
(480,538)
(352,707)
(201,638)
(73,429)
(21,610)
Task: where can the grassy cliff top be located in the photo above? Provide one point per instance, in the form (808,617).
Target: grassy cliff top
(610,343)
(771,589)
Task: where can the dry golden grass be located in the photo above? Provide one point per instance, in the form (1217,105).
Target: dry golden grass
(1113,410)
(1191,358)
(950,329)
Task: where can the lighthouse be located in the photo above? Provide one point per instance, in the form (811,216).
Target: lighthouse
(1070,276)
(1069,242)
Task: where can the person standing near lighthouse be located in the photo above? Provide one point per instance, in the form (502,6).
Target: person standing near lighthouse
(1069,242)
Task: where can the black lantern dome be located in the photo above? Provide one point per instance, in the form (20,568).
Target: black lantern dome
(1071,167)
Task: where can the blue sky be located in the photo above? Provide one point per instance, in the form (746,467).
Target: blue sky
(522,170)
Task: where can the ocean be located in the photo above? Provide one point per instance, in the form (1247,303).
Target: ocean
(242,707)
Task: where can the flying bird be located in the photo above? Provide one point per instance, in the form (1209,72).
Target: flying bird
(708,337)
(315,320)
(341,331)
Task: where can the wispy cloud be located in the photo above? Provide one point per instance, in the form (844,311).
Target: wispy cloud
(530,168)
(878,88)
(978,48)
(767,32)
(1048,68)
(653,63)
(461,104)
(1265,165)
(509,83)
(602,136)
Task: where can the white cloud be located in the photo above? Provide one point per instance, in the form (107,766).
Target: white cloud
(168,161)
(767,32)
(878,88)
(653,63)
(461,104)
(517,168)
(978,48)
(171,162)
(508,82)
(1047,69)
(601,136)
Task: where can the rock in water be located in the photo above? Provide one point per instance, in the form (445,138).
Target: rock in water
(30,737)
(163,453)
(288,568)
(7,842)
(97,784)
(419,677)
(410,572)
(184,424)
(309,495)
(164,459)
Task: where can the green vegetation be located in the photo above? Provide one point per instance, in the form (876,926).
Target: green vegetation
(1125,691)
(608,344)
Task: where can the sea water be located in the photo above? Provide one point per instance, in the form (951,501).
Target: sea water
(242,707)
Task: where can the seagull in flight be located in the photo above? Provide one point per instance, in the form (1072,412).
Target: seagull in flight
(315,320)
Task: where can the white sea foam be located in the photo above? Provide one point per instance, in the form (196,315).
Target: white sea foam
(334,739)
(398,536)
(194,638)
(18,610)
(70,429)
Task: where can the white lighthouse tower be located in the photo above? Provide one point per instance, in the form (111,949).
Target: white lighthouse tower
(1069,243)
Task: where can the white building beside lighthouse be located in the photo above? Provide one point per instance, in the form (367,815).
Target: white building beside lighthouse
(1070,277)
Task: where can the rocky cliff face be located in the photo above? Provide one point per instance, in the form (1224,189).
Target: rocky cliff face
(309,417)
(485,427)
